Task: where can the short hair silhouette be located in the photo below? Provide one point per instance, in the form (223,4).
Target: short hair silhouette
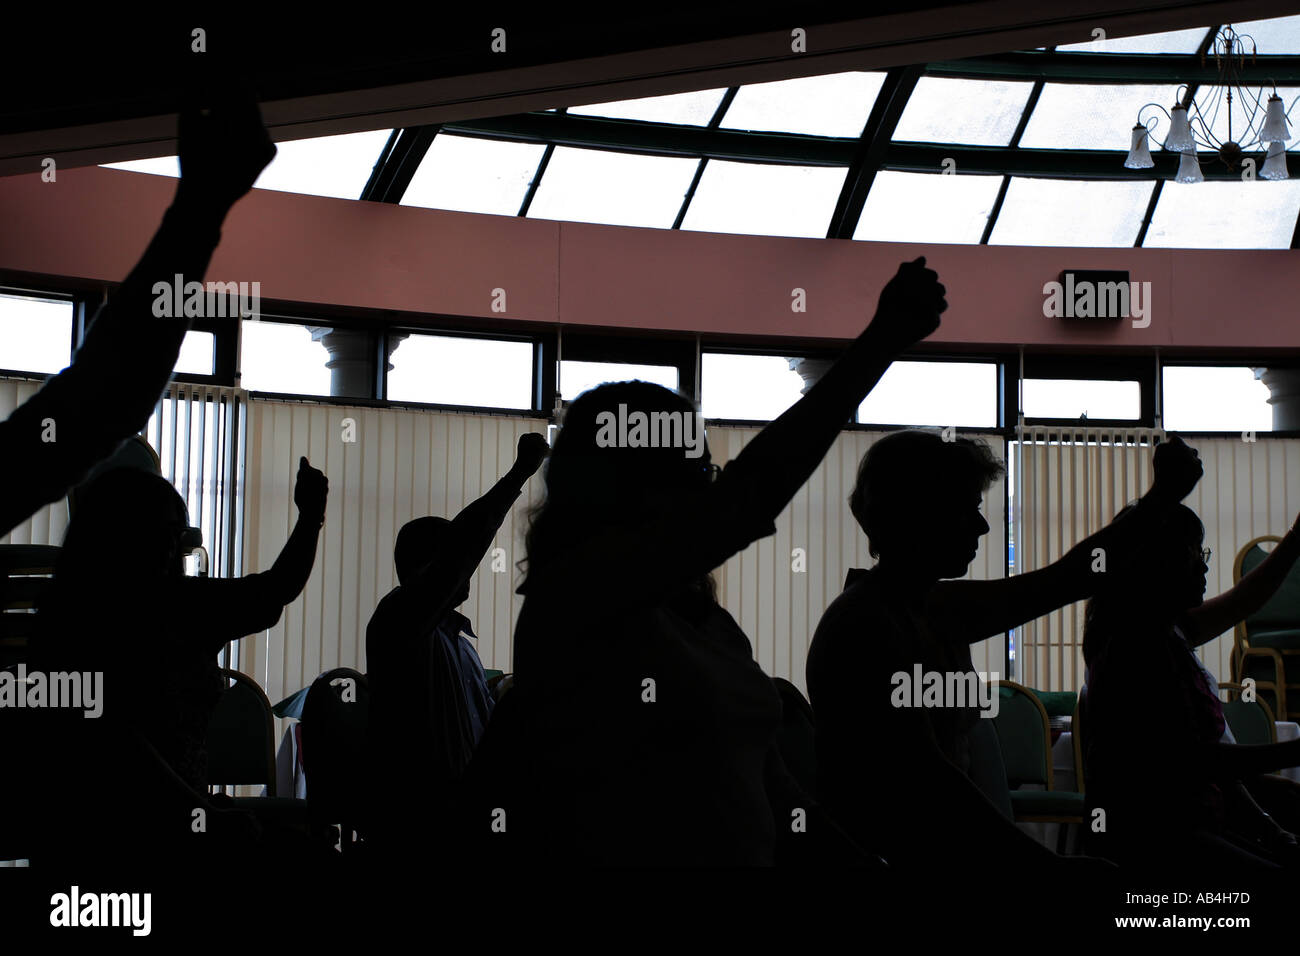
(128,521)
(907,471)
(416,541)
(590,488)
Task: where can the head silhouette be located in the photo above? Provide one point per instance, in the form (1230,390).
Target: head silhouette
(129,523)
(594,486)
(1156,582)
(918,499)
(418,542)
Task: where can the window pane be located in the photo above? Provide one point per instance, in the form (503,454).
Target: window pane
(765,200)
(1067,212)
(1214,399)
(1225,215)
(691,109)
(1177,41)
(934,393)
(978,112)
(35,334)
(578,377)
(1276,37)
(160,166)
(197,354)
(921,207)
(748,387)
(474,175)
(1071,398)
(337,166)
(450,370)
(621,189)
(281,357)
(834,105)
(1087,116)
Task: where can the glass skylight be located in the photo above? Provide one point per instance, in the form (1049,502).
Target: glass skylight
(1071,212)
(1091,116)
(1176,41)
(765,200)
(927,207)
(687,109)
(622,189)
(834,105)
(976,112)
(474,175)
(1226,215)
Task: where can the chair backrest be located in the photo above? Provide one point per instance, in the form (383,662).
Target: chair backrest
(1024,735)
(1251,721)
(335,721)
(25,580)
(241,736)
(1282,610)
(1076,740)
(796,738)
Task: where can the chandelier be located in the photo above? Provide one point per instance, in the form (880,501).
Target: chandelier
(1260,125)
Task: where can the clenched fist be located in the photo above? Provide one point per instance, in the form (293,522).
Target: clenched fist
(909,306)
(532,452)
(1178,469)
(310,491)
(223,149)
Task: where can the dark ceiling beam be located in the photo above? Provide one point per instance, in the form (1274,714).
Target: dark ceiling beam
(1106,68)
(662,139)
(317,79)
(879,130)
(401,158)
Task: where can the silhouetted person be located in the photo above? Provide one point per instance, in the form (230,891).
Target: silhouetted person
(122,606)
(924,786)
(1157,760)
(109,391)
(429,696)
(640,730)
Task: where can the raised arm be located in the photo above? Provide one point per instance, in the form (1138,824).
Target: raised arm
(622,566)
(113,383)
(471,534)
(781,458)
(975,610)
(1204,623)
(234,608)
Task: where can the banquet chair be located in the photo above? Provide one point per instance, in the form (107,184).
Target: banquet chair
(1267,642)
(1024,735)
(1251,721)
(241,751)
(335,719)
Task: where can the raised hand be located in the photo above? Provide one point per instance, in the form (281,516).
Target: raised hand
(223,149)
(532,452)
(909,305)
(310,490)
(1178,468)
